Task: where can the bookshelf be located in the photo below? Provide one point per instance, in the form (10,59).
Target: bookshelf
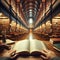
(56,25)
(48,27)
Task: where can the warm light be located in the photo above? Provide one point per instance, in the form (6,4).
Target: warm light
(3,17)
(0,14)
(57,17)
(55,20)
(18,25)
(30,20)
(43,25)
(30,36)
(13,23)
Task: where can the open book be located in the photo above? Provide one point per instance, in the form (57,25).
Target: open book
(29,47)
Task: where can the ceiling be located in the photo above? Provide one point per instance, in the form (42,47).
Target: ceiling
(27,9)
(34,9)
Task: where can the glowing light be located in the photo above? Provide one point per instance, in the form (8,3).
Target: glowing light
(30,10)
(0,14)
(30,20)
(13,23)
(30,36)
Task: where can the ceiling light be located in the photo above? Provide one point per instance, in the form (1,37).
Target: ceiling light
(30,20)
(30,10)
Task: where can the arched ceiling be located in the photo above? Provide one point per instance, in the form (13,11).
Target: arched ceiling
(30,8)
(34,9)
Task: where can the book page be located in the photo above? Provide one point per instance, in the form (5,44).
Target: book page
(21,46)
(8,41)
(36,45)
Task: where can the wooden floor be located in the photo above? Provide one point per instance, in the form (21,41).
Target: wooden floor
(48,44)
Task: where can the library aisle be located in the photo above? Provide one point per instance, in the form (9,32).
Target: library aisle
(29,24)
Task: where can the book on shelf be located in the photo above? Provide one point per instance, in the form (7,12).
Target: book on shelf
(29,47)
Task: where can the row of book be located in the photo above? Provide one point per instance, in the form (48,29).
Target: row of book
(10,27)
(51,28)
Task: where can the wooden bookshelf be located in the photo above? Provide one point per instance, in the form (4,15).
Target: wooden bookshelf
(56,25)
